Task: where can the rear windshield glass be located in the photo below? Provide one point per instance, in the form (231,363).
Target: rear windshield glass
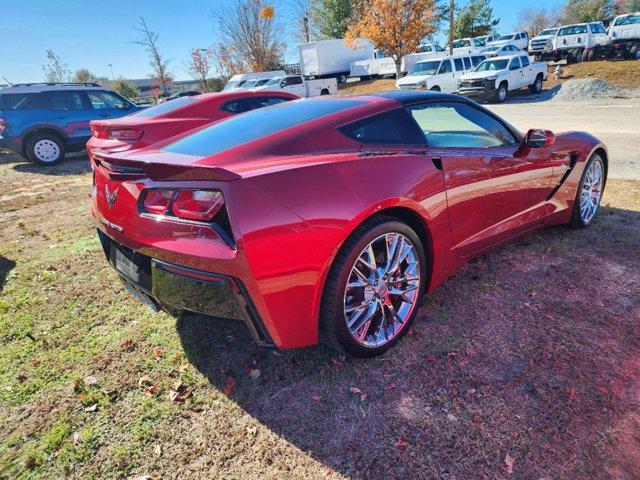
(165,107)
(255,124)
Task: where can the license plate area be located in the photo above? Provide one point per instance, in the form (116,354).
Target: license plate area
(133,266)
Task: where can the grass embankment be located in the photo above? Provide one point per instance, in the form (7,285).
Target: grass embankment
(527,361)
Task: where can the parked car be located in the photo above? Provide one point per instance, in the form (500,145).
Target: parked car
(425,51)
(519,39)
(332,58)
(578,42)
(440,75)
(543,42)
(466,46)
(258,82)
(174,117)
(186,93)
(500,50)
(624,34)
(495,77)
(489,39)
(237,81)
(301,87)
(44,121)
(327,219)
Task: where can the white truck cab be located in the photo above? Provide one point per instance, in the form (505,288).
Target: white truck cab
(466,46)
(439,74)
(495,77)
(543,42)
(577,42)
(301,87)
(238,81)
(519,39)
(624,34)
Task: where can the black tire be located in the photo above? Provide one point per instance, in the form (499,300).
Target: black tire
(501,93)
(45,149)
(342,79)
(536,86)
(633,51)
(434,89)
(591,54)
(576,219)
(333,329)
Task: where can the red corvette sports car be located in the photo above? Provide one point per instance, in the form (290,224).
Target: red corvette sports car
(327,219)
(174,117)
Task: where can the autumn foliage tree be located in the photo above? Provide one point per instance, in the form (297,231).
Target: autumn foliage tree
(250,37)
(395,26)
(199,66)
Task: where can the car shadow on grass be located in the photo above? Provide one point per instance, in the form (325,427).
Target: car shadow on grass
(6,265)
(523,361)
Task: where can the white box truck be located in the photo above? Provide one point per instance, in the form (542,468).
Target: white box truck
(332,58)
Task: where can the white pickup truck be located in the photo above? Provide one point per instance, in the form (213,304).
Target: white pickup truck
(302,87)
(494,78)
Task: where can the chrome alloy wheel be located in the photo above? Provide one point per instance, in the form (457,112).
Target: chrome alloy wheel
(382,290)
(46,150)
(591,191)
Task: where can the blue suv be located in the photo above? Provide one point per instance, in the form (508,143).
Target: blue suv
(43,121)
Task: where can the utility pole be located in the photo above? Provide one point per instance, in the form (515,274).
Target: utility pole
(451,6)
(111,68)
(305,24)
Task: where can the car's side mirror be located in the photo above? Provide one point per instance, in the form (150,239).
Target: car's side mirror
(283,84)
(538,138)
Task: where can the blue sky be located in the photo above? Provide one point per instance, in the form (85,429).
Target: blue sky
(94,35)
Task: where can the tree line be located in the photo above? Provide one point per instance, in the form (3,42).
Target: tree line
(251,33)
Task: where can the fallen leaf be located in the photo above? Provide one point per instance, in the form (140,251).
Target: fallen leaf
(252,430)
(35,362)
(355,391)
(127,345)
(21,378)
(151,389)
(157,353)
(180,392)
(508,461)
(229,386)
(315,397)
(76,438)
(603,389)
(393,385)
(91,408)
(89,381)
(144,381)
(254,374)
(30,462)
(402,442)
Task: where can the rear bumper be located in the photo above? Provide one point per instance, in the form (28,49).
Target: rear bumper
(165,284)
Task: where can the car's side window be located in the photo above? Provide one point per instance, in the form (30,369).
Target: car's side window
(237,106)
(394,128)
(259,102)
(106,100)
(458,64)
(477,60)
(459,125)
(66,101)
(445,67)
(467,63)
(525,61)
(514,64)
(293,80)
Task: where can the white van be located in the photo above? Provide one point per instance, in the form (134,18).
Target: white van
(440,75)
(238,81)
(425,51)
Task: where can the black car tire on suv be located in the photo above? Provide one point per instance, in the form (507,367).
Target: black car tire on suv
(45,149)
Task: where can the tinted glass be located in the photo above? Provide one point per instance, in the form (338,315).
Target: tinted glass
(294,80)
(438,48)
(446,67)
(573,30)
(597,28)
(261,102)
(256,124)
(22,101)
(237,106)
(477,60)
(166,107)
(524,61)
(467,63)
(630,20)
(514,64)
(387,128)
(66,101)
(106,100)
(551,31)
(458,125)
(458,64)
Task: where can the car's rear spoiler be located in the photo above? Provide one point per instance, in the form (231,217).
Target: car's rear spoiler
(158,167)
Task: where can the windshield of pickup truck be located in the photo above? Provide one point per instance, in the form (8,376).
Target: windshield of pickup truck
(551,31)
(506,37)
(425,68)
(274,81)
(491,65)
(490,49)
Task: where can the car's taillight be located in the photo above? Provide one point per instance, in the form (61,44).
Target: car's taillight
(157,201)
(124,134)
(200,205)
(3,125)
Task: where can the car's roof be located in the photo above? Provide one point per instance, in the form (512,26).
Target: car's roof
(408,97)
(47,87)
(240,93)
(509,57)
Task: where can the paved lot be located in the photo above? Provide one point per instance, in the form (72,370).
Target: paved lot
(616,122)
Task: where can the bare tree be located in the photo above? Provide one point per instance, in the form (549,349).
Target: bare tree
(159,63)
(303,21)
(199,66)
(56,70)
(84,75)
(535,19)
(250,37)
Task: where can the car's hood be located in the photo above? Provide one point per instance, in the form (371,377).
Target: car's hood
(502,42)
(480,75)
(413,79)
(543,37)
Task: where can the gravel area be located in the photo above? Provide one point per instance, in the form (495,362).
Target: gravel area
(585,89)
